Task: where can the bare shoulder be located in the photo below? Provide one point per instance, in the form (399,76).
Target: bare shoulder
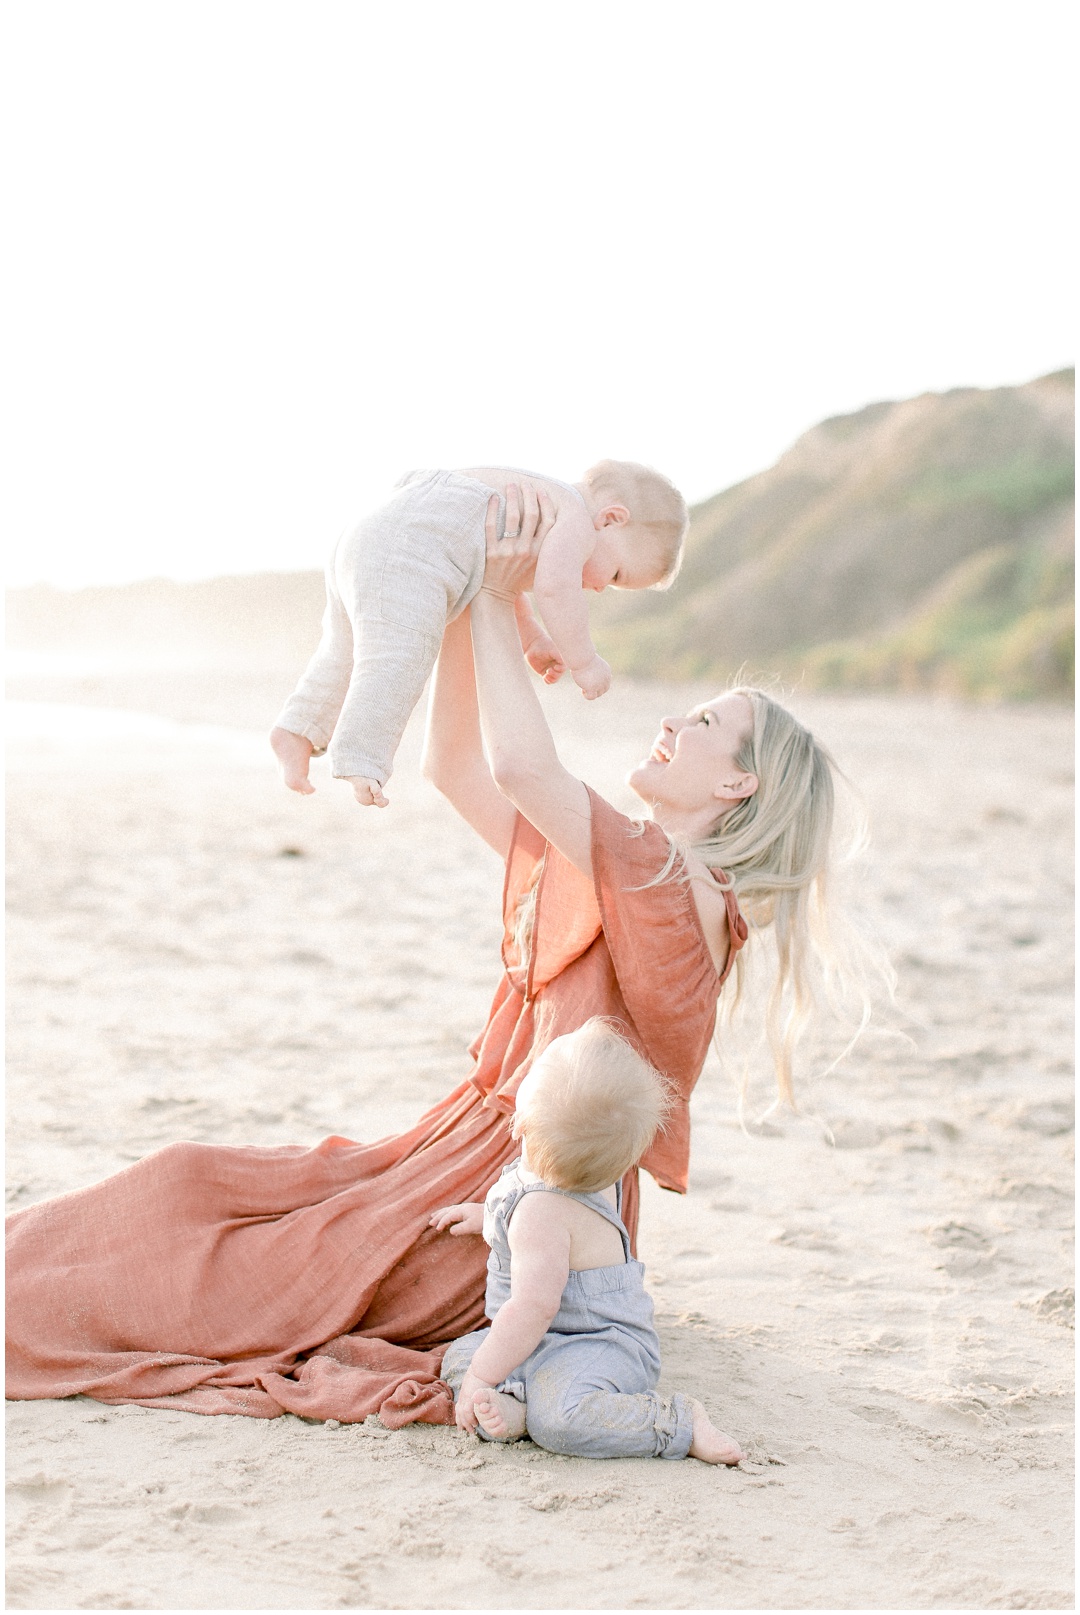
(712,914)
(541,1219)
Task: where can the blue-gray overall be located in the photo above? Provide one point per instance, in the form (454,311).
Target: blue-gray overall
(588,1387)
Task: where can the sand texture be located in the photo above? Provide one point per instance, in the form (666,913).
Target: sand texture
(884,1321)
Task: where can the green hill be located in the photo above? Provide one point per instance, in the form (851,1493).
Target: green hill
(918,545)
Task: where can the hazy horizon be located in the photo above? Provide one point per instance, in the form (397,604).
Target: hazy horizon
(256,566)
(268,262)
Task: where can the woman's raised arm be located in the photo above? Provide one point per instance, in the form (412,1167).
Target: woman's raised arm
(521,753)
(454,759)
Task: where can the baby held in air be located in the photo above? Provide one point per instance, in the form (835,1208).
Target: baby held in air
(405,571)
(571,1358)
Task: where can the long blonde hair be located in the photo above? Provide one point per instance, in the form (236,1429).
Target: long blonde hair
(776,849)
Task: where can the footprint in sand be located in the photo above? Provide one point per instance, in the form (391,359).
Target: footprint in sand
(1051,1119)
(957,1236)
(1056,1306)
(37,1492)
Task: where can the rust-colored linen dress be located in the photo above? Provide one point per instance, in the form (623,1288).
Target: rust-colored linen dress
(221,1279)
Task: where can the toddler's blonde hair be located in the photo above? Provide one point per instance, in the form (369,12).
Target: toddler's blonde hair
(594,1111)
(658,512)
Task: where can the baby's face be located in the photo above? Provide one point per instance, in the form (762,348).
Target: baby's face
(621,560)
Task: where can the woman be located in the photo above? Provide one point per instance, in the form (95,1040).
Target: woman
(250,1280)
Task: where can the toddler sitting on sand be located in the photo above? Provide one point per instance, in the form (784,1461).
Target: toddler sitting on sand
(409,568)
(571,1357)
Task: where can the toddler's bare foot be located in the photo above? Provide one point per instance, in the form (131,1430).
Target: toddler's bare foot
(293,752)
(368,792)
(711,1445)
(501,1417)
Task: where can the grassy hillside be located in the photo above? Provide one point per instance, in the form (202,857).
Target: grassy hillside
(923,544)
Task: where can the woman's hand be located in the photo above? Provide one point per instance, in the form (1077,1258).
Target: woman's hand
(511,561)
(463,1219)
(517,742)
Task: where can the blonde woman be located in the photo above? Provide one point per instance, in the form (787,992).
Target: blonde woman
(229,1280)
(741,791)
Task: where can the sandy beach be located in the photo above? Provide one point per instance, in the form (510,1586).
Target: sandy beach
(883,1319)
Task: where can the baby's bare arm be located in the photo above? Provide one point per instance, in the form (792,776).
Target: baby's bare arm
(529,625)
(540,650)
(539,1266)
(557,588)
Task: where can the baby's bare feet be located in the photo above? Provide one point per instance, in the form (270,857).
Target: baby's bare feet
(711,1445)
(293,752)
(368,792)
(501,1417)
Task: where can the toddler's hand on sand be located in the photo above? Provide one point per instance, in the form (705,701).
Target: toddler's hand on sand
(544,658)
(368,792)
(464,1219)
(464,1412)
(293,752)
(593,679)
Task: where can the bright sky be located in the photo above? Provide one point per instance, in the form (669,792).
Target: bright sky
(271,255)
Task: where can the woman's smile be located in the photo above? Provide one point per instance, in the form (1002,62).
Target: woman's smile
(702,747)
(666,745)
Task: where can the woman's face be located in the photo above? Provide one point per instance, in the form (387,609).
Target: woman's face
(692,764)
